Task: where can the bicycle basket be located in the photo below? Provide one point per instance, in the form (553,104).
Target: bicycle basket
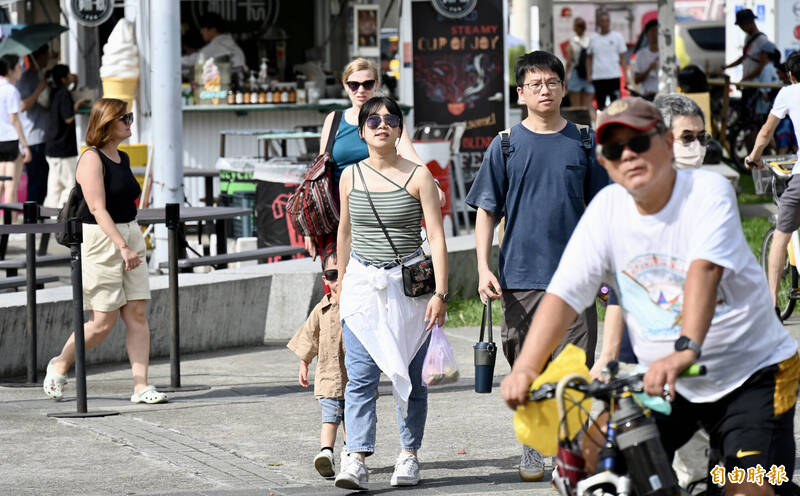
(762,181)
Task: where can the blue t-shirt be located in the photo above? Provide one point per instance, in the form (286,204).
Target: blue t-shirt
(542,191)
(348,148)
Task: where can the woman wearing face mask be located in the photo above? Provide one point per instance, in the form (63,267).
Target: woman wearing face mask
(684,117)
(360,81)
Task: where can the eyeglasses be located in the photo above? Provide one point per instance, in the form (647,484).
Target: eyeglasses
(331,275)
(391,120)
(536,86)
(127,118)
(703,137)
(637,144)
(353,85)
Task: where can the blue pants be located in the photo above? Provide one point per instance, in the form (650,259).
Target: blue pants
(360,398)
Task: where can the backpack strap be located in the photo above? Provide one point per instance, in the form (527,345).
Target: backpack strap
(586,139)
(337,118)
(505,143)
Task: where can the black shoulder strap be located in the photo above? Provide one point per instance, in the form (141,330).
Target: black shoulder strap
(385,232)
(337,118)
(750,42)
(505,144)
(586,139)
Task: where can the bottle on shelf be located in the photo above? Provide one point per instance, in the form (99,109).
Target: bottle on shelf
(253,88)
(276,95)
(301,90)
(284,94)
(292,95)
(268,95)
(262,73)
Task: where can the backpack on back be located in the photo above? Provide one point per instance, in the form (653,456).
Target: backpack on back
(313,208)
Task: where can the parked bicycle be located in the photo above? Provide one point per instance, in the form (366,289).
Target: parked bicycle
(779,169)
(631,460)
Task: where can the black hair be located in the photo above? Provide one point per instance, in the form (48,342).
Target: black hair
(374,104)
(330,256)
(793,65)
(537,61)
(41,50)
(212,20)
(56,74)
(7,63)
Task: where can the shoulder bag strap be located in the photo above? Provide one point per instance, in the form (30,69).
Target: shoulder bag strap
(385,232)
(486,320)
(337,118)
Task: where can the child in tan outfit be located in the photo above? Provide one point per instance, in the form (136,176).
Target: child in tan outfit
(321,337)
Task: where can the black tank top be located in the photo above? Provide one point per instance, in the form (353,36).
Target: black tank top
(121,187)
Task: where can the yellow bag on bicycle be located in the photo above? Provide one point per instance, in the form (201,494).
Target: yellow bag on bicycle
(536,424)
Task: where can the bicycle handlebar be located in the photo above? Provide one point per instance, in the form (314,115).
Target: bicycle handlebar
(614,387)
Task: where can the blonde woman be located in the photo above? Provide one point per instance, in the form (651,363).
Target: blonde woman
(11,135)
(115,279)
(360,80)
(384,330)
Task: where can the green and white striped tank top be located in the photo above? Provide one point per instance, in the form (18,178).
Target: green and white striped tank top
(400,212)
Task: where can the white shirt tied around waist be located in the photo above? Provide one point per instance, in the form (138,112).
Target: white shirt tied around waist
(389,324)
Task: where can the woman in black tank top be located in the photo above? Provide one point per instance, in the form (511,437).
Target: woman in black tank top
(115,277)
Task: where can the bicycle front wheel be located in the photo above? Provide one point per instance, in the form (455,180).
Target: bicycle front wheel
(788,277)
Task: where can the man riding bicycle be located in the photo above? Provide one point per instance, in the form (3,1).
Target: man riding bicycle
(786,102)
(671,245)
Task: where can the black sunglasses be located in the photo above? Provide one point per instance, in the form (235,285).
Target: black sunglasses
(391,120)
(637,144)
(703,137)
(127,118)
(331,275)
(353,85)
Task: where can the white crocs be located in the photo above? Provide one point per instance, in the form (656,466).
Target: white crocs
(54,382)
(149,395)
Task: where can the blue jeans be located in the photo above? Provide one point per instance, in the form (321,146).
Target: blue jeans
(332,410)
(360,398)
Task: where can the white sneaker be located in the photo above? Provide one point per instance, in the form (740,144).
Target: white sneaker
(354,474)
(406,470)
(531,466)
(324,464)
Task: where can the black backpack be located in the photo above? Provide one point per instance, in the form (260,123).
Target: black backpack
(74,208)
(580,67)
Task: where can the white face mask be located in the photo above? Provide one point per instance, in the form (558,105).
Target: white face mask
(688,156)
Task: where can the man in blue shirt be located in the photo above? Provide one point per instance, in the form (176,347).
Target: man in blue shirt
(541,186)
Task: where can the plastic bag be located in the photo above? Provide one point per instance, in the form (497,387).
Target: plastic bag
(440,363)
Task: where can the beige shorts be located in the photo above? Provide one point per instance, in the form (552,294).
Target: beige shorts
(107,286)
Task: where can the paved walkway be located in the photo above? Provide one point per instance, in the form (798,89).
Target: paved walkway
(254,432)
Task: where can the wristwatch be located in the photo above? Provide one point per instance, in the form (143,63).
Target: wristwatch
(686,343)
(443,296)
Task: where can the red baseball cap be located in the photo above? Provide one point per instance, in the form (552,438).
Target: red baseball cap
(633,112)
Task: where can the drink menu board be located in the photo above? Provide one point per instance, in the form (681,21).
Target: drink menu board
(458,74)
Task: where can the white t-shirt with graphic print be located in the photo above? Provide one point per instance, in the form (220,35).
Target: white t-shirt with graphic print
(646,258)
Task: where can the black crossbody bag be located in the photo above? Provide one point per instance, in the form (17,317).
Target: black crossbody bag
(418,278)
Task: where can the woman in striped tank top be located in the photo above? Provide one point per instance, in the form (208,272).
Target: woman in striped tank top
(384,330)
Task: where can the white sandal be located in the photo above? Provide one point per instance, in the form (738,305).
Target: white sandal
(54,382)
(149,395)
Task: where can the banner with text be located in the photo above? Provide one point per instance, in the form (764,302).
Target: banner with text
(458,74)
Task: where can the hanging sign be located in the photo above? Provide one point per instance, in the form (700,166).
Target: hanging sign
(91,12)
(454,9)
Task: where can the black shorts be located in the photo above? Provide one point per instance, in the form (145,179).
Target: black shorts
(9,151)
(753,425)
(605,88)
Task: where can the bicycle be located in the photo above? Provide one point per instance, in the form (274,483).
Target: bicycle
(632,460)
(780,169)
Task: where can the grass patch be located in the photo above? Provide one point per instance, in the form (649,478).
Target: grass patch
(463,312)
(748,191)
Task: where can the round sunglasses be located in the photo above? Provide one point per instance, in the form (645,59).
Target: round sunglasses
(353,85)
(374,121)
(637,144)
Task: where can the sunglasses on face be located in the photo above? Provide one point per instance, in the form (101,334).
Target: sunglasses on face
(331,275)
(637,144)
(391,120)
(127,118)
(702,137)
(353,85)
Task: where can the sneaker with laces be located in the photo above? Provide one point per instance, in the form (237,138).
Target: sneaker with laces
(324,464)
(353,474)
(406,470)
(531,466)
